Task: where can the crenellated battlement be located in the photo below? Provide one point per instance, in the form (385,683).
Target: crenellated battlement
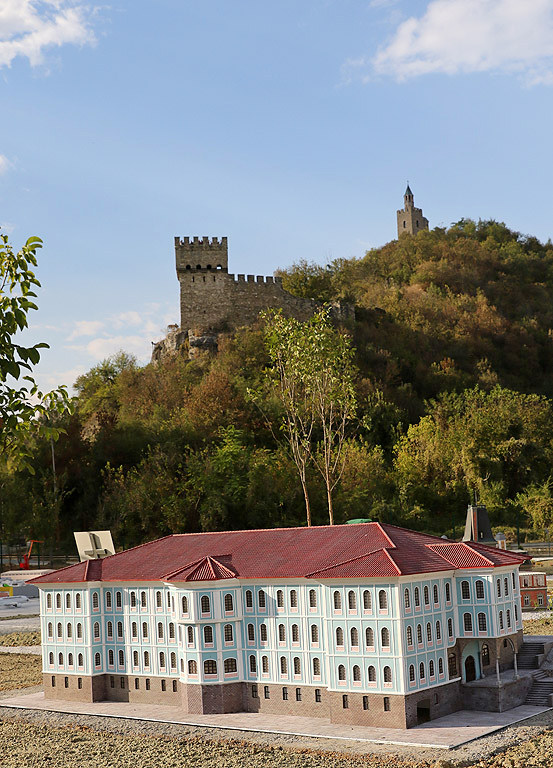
(201,253)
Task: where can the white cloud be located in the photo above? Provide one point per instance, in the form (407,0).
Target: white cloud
(85,328)
(29,27)
(104,347)
(464,36)
(124,319)
(4,164)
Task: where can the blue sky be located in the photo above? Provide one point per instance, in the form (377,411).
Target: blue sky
(289,126)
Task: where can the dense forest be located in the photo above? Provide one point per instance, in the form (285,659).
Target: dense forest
(453,381)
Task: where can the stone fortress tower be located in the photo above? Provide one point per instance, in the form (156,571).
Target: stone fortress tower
(410,219)
(214,301)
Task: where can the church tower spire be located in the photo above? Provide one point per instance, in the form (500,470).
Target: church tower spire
(410,219)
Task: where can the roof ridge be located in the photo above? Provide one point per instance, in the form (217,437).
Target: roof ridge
(345,562)
(170,574)
(56,570)
(394,545)
(389,555)
(257,530)
(439,539)
(456,543)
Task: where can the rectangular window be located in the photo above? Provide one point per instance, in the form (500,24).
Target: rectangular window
(298,694)
(266,693)
(112,682)
(53,681)
(285,694)
(254,692)
(79,683)
(122,682)
(136,683)
(163,685)
(386,703)
(365,702)
(66,682)
(318,697)
(174,686)
(345,701)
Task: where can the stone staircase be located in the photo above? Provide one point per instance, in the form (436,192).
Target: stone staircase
(530,655)
(540,692)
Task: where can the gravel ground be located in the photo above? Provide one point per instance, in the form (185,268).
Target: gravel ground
(19,624)
(19,670)
(15,639)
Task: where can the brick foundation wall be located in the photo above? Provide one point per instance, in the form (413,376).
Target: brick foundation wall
(111,688)
(74,687)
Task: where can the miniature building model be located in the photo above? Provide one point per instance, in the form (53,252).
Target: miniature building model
(477,526)
(533,590)
(409,218)
(365,624)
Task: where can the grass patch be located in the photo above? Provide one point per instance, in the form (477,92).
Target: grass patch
(19,670)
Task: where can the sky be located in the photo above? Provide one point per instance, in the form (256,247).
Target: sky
(289,126)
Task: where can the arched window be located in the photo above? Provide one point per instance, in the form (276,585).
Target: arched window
(352,600)
(467,622)
(367,600)
(228,633)
(419,634)
(192,667)
(339,636)
(134,629)
(387,674)
(96,630)
(249,598)
(501,620)
(80,661)
(108,600)
(356,673)
(337,601)
(295,633)
(146,658)
(447,592)
(135,658)
(293,598)
(508,619)
(421,671)
(171,631)
(314,633)
(499,587)
(111,659)
(409,636)
(479,590)
(68,600)
(506,586)
(97,660)
(160,630)
(208,634)
(261,602)
(204,604)
(283,665)
(429,632)
(372,674)
(263,633)
(49,600)
(382,600)
(70,630)
(482,623)
(159,601)
(449,628)
(230,666)
(184,604)
(253,663)
(58,599)
(190,632)
(354,634)
(110,629)
(280,598)
(265,665)
(121,658)
(118,600)
(431,671)
(210,667)
(438,630)
(436,595)
(485,655)
(316,667)
(60,659)
(143,599)
(297,666)
(281,633)
(173,660)
(79,631)
(406,598)
(50,630)
(426,596)
(229,603)
(411,673)
(312,598)
(133,599)
(70,659)
(145,630)
(385,635)
(452,665)
(417,598)
(95,600)
(341,672)
(465,590)
(440,666)
(369,637)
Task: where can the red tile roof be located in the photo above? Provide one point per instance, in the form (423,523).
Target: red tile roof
(339,551)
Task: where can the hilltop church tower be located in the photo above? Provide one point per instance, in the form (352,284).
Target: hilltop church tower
(410,219)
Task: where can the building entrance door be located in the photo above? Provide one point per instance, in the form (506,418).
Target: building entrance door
(470,669)
(423,711)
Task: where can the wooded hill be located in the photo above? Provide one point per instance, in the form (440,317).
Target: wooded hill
(454,356)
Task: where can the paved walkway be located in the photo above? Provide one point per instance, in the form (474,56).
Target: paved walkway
(445,733)
(35,650)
